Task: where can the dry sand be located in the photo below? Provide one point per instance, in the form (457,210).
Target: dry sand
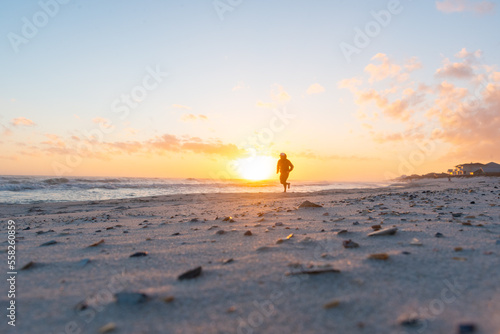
(253,283)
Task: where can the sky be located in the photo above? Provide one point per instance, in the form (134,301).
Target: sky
(349,90)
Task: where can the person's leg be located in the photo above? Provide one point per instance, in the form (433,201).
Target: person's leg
(283,178)
(288,184)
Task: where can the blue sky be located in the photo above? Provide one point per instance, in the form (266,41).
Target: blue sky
(91,52)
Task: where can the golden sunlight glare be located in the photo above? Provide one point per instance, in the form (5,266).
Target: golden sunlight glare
(255,168)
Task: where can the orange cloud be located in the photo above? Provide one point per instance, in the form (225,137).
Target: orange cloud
(386,69)
(279,94)
(22,121)
(315,89)
(456,6)
(157,145)
(191,118)
(180,106)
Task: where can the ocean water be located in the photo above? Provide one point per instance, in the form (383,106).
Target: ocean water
(39,189)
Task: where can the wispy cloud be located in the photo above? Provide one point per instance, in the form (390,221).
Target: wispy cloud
(192,117)
(457,6)
(180,106)
(158,145)
(315,89)
(22,121)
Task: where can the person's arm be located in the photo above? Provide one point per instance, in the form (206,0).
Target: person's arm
(278,168)
(291,167)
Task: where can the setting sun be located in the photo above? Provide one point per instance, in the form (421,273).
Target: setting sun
(255,168)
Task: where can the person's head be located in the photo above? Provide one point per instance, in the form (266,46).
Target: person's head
(282,155)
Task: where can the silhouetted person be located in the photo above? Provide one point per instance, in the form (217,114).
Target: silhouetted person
(285,167)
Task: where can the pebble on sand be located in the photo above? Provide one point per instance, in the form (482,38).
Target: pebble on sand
(28,265)
(95,244)
(248,233)
(350,244)
(169,299)
(130,297)
(307,204)
(332,304)
(315,272)
(386,231)
(48,243)
(415,242)
(139,254)
(220,232)
(190,274)
(379,256)
(466,328)
(109,327)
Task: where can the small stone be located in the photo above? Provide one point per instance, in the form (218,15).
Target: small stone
(458,249)
(456,215)
(169,299)
(176,233)
(350,244)
(220,232)
(130,297)
(376,227)
(263,249)
(355,223)
(231,309)
(48,243)
(326,214)
(342,232)
(332,304)
(379,256)
(387,231)
(139,254)
(248,233)
(466,328)
(439,235)
(279,224)
(190,274)
(307,204)
(228,261)
(289,236)
(409,321)
(82,263)
(279,241)
(324,255)
(28,265)
(109,327)
(415,242)
(227,219)
(95,244)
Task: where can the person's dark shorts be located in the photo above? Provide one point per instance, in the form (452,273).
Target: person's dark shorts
(283,178)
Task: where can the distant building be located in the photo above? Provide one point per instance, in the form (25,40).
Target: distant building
(467,169)
(491,168)
(476,168)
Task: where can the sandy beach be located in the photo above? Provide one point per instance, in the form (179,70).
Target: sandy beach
(267,266)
